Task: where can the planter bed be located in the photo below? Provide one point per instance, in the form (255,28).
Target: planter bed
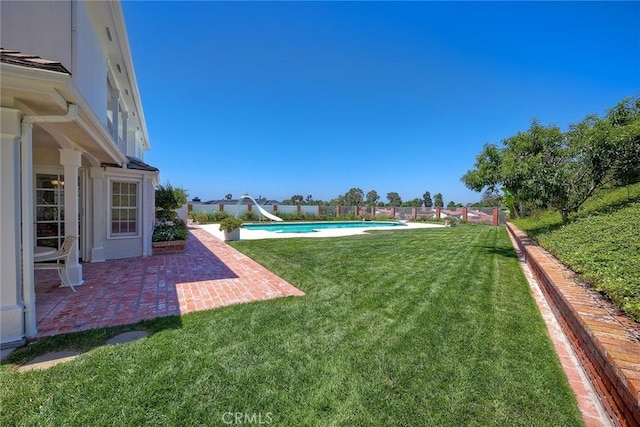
(160,248)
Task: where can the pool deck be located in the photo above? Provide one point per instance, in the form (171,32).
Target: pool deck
(246,234)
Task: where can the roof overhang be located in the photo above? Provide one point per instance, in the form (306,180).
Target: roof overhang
(47,93)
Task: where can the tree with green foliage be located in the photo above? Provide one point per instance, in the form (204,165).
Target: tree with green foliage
(168,199)
(309,199)
(372,198)
(428,203)
(353,197)
(451,205)
(625,121)
(438,201)
(546,168)
(394,199)
(489,199)
(228,196)
(296,199)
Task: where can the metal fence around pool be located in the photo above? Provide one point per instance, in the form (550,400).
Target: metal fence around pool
(493,216)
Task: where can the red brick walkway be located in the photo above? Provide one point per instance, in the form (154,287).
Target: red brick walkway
(208,274)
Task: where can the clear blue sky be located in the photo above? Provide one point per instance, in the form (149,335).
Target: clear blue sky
(281,98)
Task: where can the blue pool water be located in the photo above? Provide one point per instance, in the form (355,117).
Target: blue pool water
(309,227)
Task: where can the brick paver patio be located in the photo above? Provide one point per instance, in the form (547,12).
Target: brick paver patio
(208,274)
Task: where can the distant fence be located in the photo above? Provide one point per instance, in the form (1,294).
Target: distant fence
(492,216)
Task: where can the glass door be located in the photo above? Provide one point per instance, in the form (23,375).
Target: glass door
(49,212)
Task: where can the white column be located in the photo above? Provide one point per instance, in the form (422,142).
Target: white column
(71,159)
(28,230)
(148,212)
(11,302)
(98,225)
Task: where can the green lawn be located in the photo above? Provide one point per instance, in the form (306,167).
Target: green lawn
(412,327)
(601,243)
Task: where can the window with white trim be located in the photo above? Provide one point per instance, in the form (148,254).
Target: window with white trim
(125,208)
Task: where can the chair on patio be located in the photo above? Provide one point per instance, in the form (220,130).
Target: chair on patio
(61,258)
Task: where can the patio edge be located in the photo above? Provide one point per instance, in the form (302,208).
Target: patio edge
(598,333)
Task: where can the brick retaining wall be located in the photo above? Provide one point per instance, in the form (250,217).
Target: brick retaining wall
(606,341)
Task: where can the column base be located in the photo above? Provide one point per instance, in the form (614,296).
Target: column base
(74,273)
(12,325)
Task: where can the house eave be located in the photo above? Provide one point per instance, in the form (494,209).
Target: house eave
(43,92)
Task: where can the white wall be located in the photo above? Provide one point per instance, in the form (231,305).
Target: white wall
(45,28)
(40,28)
(241,209)
(182,212)
(90,71)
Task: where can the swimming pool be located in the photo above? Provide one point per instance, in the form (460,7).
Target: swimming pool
(310,227)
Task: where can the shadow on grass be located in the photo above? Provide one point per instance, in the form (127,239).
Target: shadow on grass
(507,252)
(88,340)
(544,229)
(609,208)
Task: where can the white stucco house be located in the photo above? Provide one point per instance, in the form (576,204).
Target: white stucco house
(71,154)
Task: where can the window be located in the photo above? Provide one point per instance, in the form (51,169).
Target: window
(124,208)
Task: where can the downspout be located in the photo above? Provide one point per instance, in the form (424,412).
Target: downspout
(26,171)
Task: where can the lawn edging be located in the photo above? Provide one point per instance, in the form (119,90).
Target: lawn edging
(606,341)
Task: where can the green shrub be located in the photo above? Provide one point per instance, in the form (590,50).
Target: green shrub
(201,218)
(170,231)
(168,199)
(230,223)
(298,216)
(249,216)
(217,216)
(451,221)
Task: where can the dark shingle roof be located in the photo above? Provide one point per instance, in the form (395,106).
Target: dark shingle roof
(32,61)
(137,164)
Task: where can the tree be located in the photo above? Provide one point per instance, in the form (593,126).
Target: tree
(338,201)
(624,119)
(415,202)
(451,205)
(546,168)
(394,199)
(437,200)
(297,199)
(353,197)
(490,199)
(309,199)
(228,196)
(372,198)
(428,203)
(487,172)
(168,199)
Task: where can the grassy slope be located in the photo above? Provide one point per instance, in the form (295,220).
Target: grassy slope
(601,243)
(424,327)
